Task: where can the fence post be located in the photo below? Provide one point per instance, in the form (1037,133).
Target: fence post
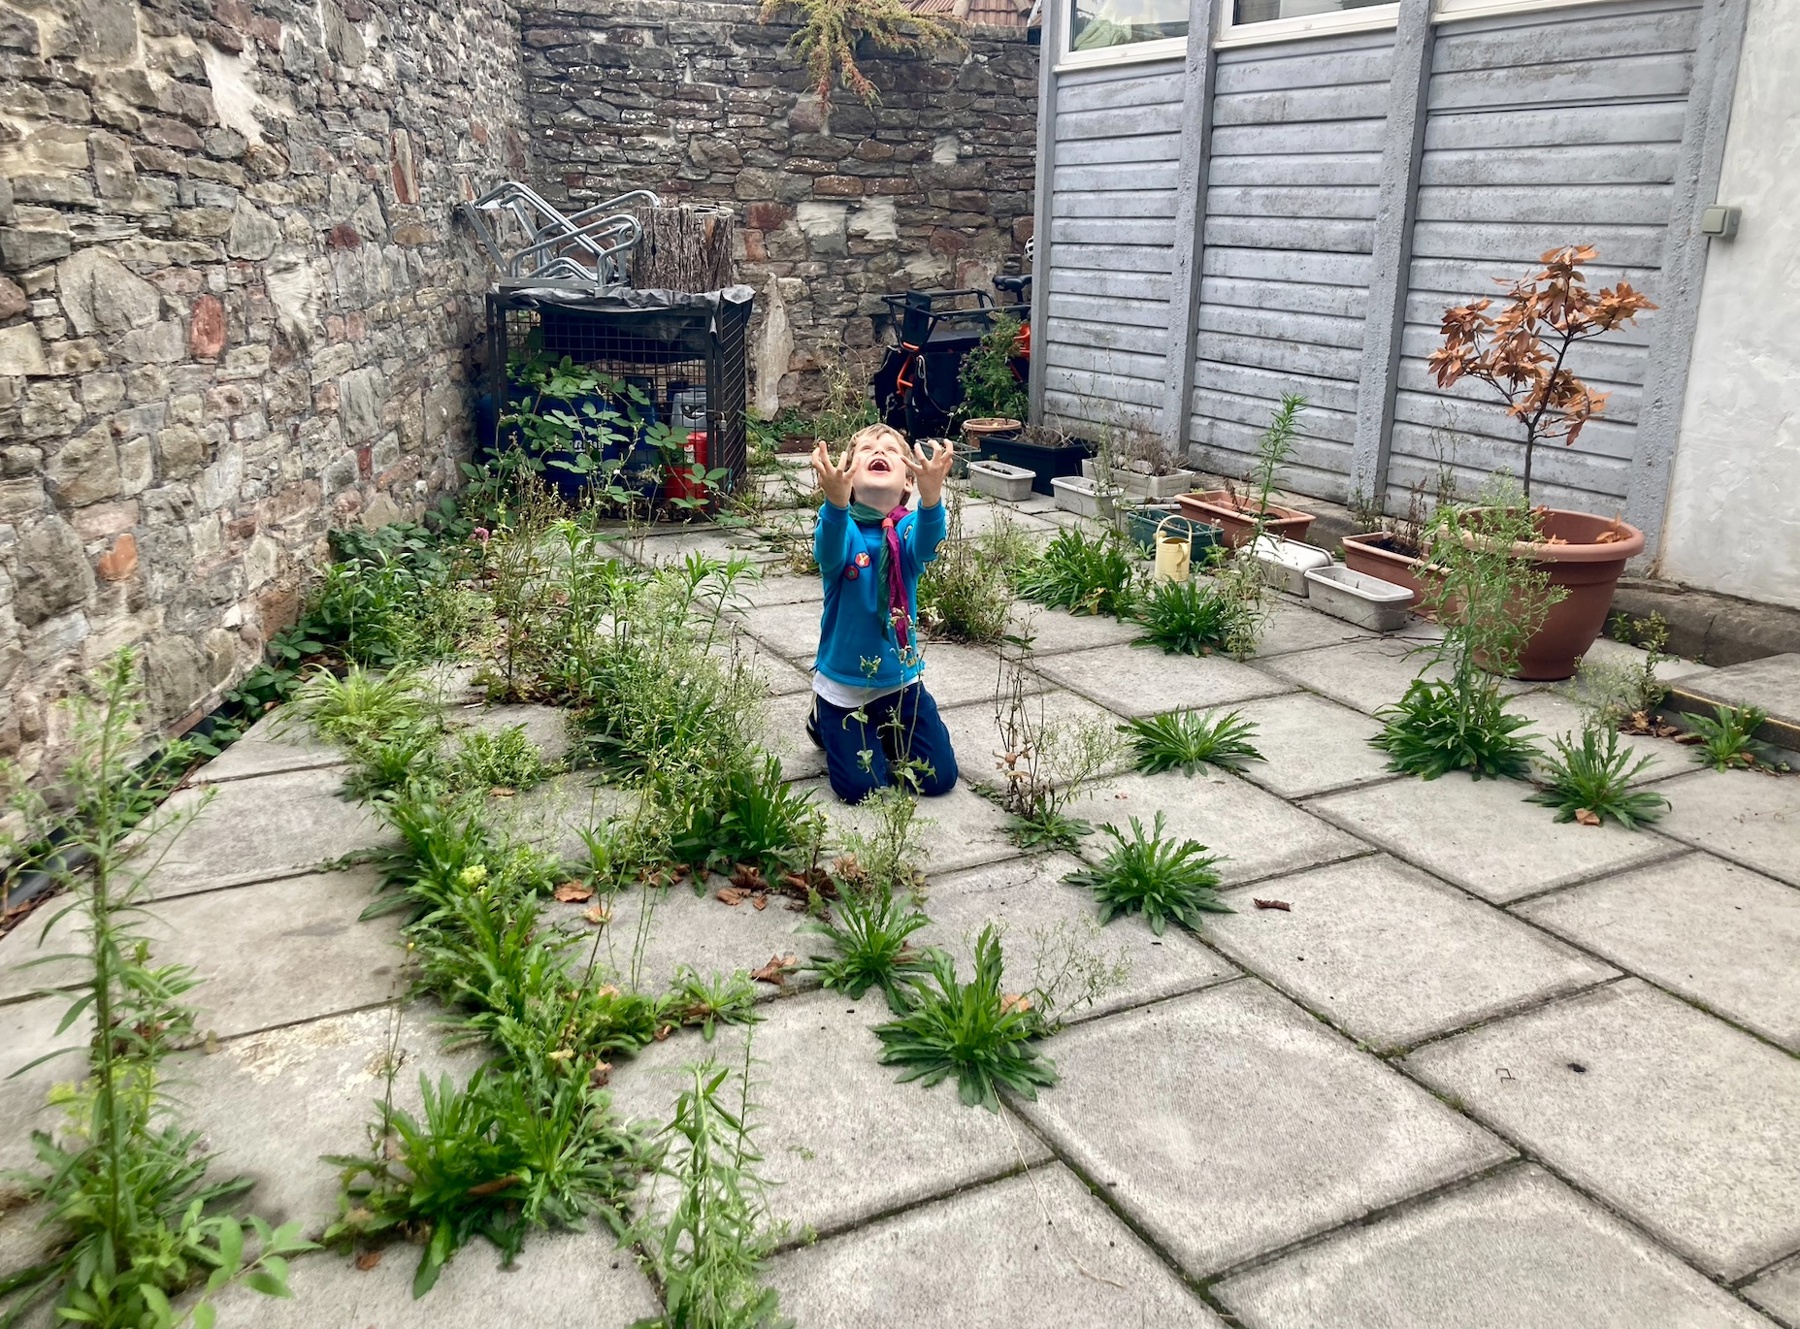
(1190,224)
(1056,16)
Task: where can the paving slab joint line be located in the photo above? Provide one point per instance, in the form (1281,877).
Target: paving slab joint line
(220,1040)
(817,1236)
(1200,985)
(1528,1008)
(192,783)
(1766,1269)
(1677,851)
(1721,853)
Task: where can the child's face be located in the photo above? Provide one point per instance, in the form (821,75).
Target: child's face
(878,474)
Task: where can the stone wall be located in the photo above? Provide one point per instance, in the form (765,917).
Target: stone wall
(233,313)
(932,188)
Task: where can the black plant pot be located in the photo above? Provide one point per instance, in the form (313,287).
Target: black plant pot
(1046,463)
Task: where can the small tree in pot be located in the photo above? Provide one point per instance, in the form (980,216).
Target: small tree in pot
(1522,354)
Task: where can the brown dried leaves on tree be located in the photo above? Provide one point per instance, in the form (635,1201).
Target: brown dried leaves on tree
(1521,351)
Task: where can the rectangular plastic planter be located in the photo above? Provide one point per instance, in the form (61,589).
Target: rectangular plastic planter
(1141,523)
(1369,602)
(1285,563)
(1044,463)
(1083,497)
(997,479)
(1150,488)
(1217,507)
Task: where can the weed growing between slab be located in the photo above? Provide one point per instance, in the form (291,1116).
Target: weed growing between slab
(1084,574)
(1726,739)
(1197,617)
(1187,740)
(1489,603)
(870,934)
(1625,696)
(1045,766)
(1161,879)
(1590,782)
(965,593)
(134,1219)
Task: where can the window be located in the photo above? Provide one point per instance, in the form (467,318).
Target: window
(1248,21)
(1102,25)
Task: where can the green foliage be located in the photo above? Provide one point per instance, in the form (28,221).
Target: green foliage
(1161,879)
(870,935)
(991,389)
(134,1220)
(965,593)
(969,1030)
(504,758)
(710,1254)
(759,819)
(1188,740)
(1438,728)
(1728,736)
(500,1156)
(1595,777)
(1083,574)
(1192,617)
(1274,450)
(886,857)
(709,1002)
(362,708)
(1613,694)
(1045,766)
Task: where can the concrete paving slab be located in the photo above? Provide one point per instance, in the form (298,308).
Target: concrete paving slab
(1484,836)
(665,548)
(551,815)
(272,1104)
(1678,1120)
(684,928)
(25,1243)
(1390,955)
(842,1139)
(778,586)
(1609,652)
(271,745)
(1295,626)
(561,1280)
(1771,684)
(27,1032)
(256,829)
(1051,631)
(1714,932)
(1043,918)
(958,830)
(1230,1122)
(786,736)
(1553,716)
(1515,1251)
(980,518)
(1778,1292)
(54,928)
(976,733)
(1311,745)
(958,675)
(1137,680)
(1365,675)
(545,726)
(791,631)
(1747,816)
(1257,834)
(1021,1253)
(780,677)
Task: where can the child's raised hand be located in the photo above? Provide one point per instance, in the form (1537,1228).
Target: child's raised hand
(930,472)
(834,477)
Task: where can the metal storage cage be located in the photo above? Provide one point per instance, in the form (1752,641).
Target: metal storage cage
(687,352)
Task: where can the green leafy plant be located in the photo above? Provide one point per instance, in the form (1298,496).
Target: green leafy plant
(1192,617)
(1614,695)
(709,1255)
(831,30)
(1728,736)
(970,1030)
(1083,574)
(758,819)
(885,858)
(1045,766)
(363,708)
(133,1219)
(870,934)
(1187,740)
(1590,781)
(709,1002)
(1161,879)
(504,758)
(991,389)
(1071,969)
(1490,602)
(965,593)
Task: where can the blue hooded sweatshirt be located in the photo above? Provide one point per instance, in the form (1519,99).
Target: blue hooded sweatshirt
(857,647)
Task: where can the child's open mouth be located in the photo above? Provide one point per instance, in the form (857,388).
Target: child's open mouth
(879,466)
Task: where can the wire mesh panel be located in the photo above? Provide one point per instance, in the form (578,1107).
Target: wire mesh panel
(687,356)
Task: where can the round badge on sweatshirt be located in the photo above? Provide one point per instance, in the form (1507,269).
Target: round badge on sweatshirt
(850,573)
(862,560)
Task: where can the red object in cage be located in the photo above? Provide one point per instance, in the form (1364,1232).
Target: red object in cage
(681,481)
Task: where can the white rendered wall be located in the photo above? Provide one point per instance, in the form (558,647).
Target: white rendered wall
(1734,505)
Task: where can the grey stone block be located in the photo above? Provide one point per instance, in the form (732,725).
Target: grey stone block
(1709,930)
(958,830)
(1016,1254)
(670,546)
(791,631)
(545,726)
(843,1140)
(1041,915)
(1751,818)
(1677,1119)
(801,758)
(1051,631)
(1231,1122)
(27,1032)
(1484,836)
(963,675)
(1366,675)
(1392,956)
(777,586)
(1052,710)
(1778,1291)
(258,829)
(1257,834)
(1515,1251)
(1295,627)
(1135,680)
(1311,745)
(270,746)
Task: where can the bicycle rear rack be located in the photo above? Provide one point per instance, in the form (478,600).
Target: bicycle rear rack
(530,240)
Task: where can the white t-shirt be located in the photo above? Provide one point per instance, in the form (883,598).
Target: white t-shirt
(846,697)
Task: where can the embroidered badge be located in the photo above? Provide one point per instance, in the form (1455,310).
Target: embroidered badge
(850,573)
(862,560)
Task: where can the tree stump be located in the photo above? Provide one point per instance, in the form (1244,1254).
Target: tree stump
(685,249)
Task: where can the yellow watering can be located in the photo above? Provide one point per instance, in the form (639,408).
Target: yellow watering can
(1174,553)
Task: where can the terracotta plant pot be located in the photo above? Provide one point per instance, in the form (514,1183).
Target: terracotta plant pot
(1369,553)
(978,432)
(1587,564)
(1216,507)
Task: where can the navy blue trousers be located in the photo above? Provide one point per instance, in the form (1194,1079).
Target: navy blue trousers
(862,748)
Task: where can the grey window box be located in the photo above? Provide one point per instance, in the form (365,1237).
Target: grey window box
(1085,498)
(1285,563)
(1358,598)
(1151,488)
(996,479)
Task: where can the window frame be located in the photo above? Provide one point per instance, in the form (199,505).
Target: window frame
(1454,11)
(1368,18)
(1069,60)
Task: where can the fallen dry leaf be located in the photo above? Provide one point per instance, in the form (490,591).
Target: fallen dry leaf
(730,895)
(601,1073)
(493,1187)
(1282,905)
(598,915)
(776,970)
(368,1260)
(1013,1001)
(662,1033)
(574,892)
(759,902)
(749,877)
(1586,818)
(501,791)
